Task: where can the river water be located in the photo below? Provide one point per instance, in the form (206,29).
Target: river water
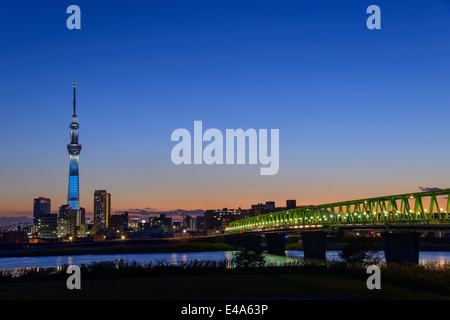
(175,258)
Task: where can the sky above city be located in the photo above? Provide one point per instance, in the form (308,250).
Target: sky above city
(360,112)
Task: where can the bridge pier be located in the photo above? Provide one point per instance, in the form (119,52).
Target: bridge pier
(276,243)
(314,244)
(253,242)
(249,241)
(401,247)
(234,240)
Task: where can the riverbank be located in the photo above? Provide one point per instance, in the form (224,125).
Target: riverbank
(119,247)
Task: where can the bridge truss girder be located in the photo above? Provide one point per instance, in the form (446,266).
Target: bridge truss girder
(394,209)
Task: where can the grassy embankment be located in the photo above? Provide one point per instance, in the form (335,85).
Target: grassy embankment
(216,280)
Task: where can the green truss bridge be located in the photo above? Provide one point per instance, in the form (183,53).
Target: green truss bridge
(403,210)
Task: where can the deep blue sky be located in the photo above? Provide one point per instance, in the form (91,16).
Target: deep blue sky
(360,112)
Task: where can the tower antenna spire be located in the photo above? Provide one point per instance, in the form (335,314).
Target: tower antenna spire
(74,99)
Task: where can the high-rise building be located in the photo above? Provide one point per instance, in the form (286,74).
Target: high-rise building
(74,148)
(41,206)
(102,207)
(270,205)
(66,227)
(69,220)
(291,204)
(188,223)
(66,224)
(200,223)
(261,208)
(48,226)
(217,220)
(118,222)
(64,211)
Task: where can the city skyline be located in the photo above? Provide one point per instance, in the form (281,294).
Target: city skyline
(361,113)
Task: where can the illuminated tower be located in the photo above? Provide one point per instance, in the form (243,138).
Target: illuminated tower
(74,148)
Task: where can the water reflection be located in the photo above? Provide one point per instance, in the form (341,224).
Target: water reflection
(439,258)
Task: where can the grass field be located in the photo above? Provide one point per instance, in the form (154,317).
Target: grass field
(232,286)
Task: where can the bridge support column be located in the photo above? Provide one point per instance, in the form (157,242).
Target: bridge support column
(276,243)
(234,240)
(253,242)
(314,244)
(401,247)
(249,241)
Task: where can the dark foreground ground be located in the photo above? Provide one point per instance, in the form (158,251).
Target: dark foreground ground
(277,286)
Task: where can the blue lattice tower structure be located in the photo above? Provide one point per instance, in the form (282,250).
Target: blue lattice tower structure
(74,148)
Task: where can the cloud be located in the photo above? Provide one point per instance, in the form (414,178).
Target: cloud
(12,221)
(139,211)
(431,189)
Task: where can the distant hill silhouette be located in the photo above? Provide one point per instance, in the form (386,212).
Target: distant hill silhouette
(177,213)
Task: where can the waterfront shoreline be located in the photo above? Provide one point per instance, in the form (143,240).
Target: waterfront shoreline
(118,246)
(201,244)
